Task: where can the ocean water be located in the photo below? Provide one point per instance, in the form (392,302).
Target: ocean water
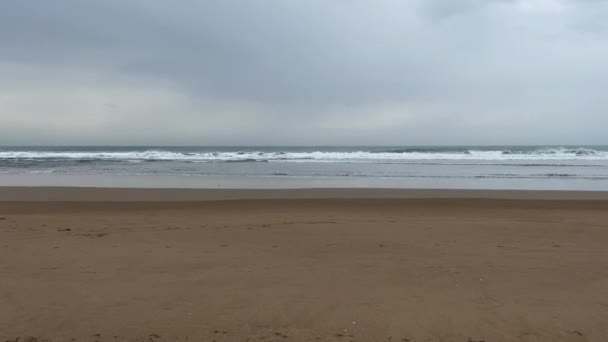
(454,167)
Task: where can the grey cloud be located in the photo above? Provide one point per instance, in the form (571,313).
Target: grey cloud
(302,65)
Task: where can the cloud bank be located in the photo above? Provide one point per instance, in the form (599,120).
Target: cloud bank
(304,72)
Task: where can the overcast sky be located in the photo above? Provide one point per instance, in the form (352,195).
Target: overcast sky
(312,72)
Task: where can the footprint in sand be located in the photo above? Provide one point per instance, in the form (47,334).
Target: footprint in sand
(94,235)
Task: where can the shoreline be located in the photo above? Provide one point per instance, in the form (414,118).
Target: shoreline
(260,182)
(102,194)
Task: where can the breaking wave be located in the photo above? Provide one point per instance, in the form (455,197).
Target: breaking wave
(393,155)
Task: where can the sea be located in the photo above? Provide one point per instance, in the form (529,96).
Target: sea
(429,167)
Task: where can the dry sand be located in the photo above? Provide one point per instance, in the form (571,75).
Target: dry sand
(325,269)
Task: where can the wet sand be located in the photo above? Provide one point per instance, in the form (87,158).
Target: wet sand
(435,266)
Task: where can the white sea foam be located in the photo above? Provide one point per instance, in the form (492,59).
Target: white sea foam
(316,156)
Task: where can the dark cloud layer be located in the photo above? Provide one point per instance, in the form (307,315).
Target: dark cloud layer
(303,72)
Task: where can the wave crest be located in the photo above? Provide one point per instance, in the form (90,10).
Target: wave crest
(393,155)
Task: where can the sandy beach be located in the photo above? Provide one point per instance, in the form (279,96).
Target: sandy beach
(310,265)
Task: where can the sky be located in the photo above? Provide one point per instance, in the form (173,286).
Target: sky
(314,72)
